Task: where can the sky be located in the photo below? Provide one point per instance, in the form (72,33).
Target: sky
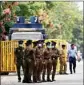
(80,4)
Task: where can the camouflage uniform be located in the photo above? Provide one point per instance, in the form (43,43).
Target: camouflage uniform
(63,60)
(28,62)
(19,55)
(55,55)
(47,64)
(39,59)
(34,66)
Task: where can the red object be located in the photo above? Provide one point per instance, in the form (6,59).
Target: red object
(7,11)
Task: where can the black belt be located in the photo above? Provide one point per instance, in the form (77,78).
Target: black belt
(46,58)
(19,58)
(54,58)
(38,58)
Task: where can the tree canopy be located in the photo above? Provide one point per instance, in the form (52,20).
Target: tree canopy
(62,20)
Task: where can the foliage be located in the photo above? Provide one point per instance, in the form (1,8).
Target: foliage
(66,18)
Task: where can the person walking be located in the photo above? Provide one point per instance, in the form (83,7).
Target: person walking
(72,53)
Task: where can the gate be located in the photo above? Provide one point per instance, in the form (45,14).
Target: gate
(7,54)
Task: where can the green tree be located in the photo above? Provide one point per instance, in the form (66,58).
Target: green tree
(66,18)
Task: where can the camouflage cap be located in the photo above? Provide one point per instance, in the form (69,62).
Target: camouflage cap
(20,42)
(40,41)
(48,43)
(29,42)
(35,43)
(63,45)
(53,43)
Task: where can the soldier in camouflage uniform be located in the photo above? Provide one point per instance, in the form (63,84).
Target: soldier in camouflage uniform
(35,65)
(29,59)
(19,55)
(55,55)
(38,59)
(47,62)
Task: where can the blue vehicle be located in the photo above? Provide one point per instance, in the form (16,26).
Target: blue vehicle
(23,31)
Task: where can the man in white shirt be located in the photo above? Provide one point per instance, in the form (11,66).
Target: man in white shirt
(72,53)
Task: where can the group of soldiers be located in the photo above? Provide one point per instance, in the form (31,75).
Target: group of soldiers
(38,61)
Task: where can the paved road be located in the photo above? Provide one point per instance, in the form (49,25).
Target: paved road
(71,79)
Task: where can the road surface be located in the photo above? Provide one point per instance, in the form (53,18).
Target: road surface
(71,79)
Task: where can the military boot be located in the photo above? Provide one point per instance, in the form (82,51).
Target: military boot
(19,79)
(43,78)
(34,79)
(48,79)
(53,77)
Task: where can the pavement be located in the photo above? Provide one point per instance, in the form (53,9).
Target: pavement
(71,79)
